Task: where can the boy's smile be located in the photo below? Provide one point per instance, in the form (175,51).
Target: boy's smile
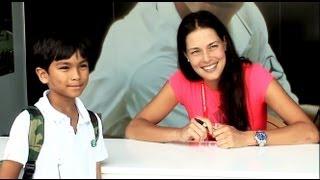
(75,86)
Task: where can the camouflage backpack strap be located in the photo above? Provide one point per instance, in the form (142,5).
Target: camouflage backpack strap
(36,137)
(94,122)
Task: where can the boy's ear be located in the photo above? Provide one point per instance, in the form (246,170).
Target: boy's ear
(42,75)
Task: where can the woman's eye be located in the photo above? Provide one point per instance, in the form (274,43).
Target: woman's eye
(213,46)
(195,52)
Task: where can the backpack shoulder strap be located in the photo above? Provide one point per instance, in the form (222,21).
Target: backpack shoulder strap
(94,122)
(36,137)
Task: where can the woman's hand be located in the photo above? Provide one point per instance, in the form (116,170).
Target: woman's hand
(228,137)
(195,131)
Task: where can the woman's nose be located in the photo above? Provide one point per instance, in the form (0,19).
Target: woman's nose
(206,56)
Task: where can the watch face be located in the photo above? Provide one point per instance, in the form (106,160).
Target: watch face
(261,135)
(261,138)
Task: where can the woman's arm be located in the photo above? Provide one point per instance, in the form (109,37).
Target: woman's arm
(10,169)
(144,125)
(300,128)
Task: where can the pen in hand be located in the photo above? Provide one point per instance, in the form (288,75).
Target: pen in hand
(201,123)
(209,136)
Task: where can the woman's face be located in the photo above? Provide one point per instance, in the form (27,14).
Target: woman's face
(206,53)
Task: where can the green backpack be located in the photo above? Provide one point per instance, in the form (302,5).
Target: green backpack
(36,138)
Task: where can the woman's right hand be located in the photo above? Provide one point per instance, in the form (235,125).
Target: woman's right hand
(194,131)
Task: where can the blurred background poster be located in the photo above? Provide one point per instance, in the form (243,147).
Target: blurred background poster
(293,35)
(293,29)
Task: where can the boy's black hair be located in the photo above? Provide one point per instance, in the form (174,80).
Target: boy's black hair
(55,46)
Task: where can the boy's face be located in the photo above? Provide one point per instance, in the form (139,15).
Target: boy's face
(67,77)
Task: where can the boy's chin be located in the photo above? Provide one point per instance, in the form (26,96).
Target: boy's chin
(74,94)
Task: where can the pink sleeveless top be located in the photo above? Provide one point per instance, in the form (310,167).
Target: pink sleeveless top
(199,100)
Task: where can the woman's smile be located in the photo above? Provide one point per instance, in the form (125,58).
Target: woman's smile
(211,67)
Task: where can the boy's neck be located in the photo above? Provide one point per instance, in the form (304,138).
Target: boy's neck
(63,104)
(66,106)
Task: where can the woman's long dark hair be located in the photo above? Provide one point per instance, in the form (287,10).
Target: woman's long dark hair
(231,84)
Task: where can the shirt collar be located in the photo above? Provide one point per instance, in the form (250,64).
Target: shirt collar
(58,117)
(83,112)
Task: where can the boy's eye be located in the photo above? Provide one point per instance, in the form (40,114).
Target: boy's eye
(84,65)
(64,67)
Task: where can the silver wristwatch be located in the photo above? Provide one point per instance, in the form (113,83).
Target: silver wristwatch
(261,138)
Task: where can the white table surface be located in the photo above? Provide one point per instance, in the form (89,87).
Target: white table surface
(140,159)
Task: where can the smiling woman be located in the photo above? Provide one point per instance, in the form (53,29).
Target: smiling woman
(233,91)
(205,51)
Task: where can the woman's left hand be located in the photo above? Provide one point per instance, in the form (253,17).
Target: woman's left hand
(228,137)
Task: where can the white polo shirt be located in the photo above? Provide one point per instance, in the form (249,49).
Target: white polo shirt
(64,154)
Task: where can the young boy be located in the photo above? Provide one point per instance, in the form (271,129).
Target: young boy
(67,150)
